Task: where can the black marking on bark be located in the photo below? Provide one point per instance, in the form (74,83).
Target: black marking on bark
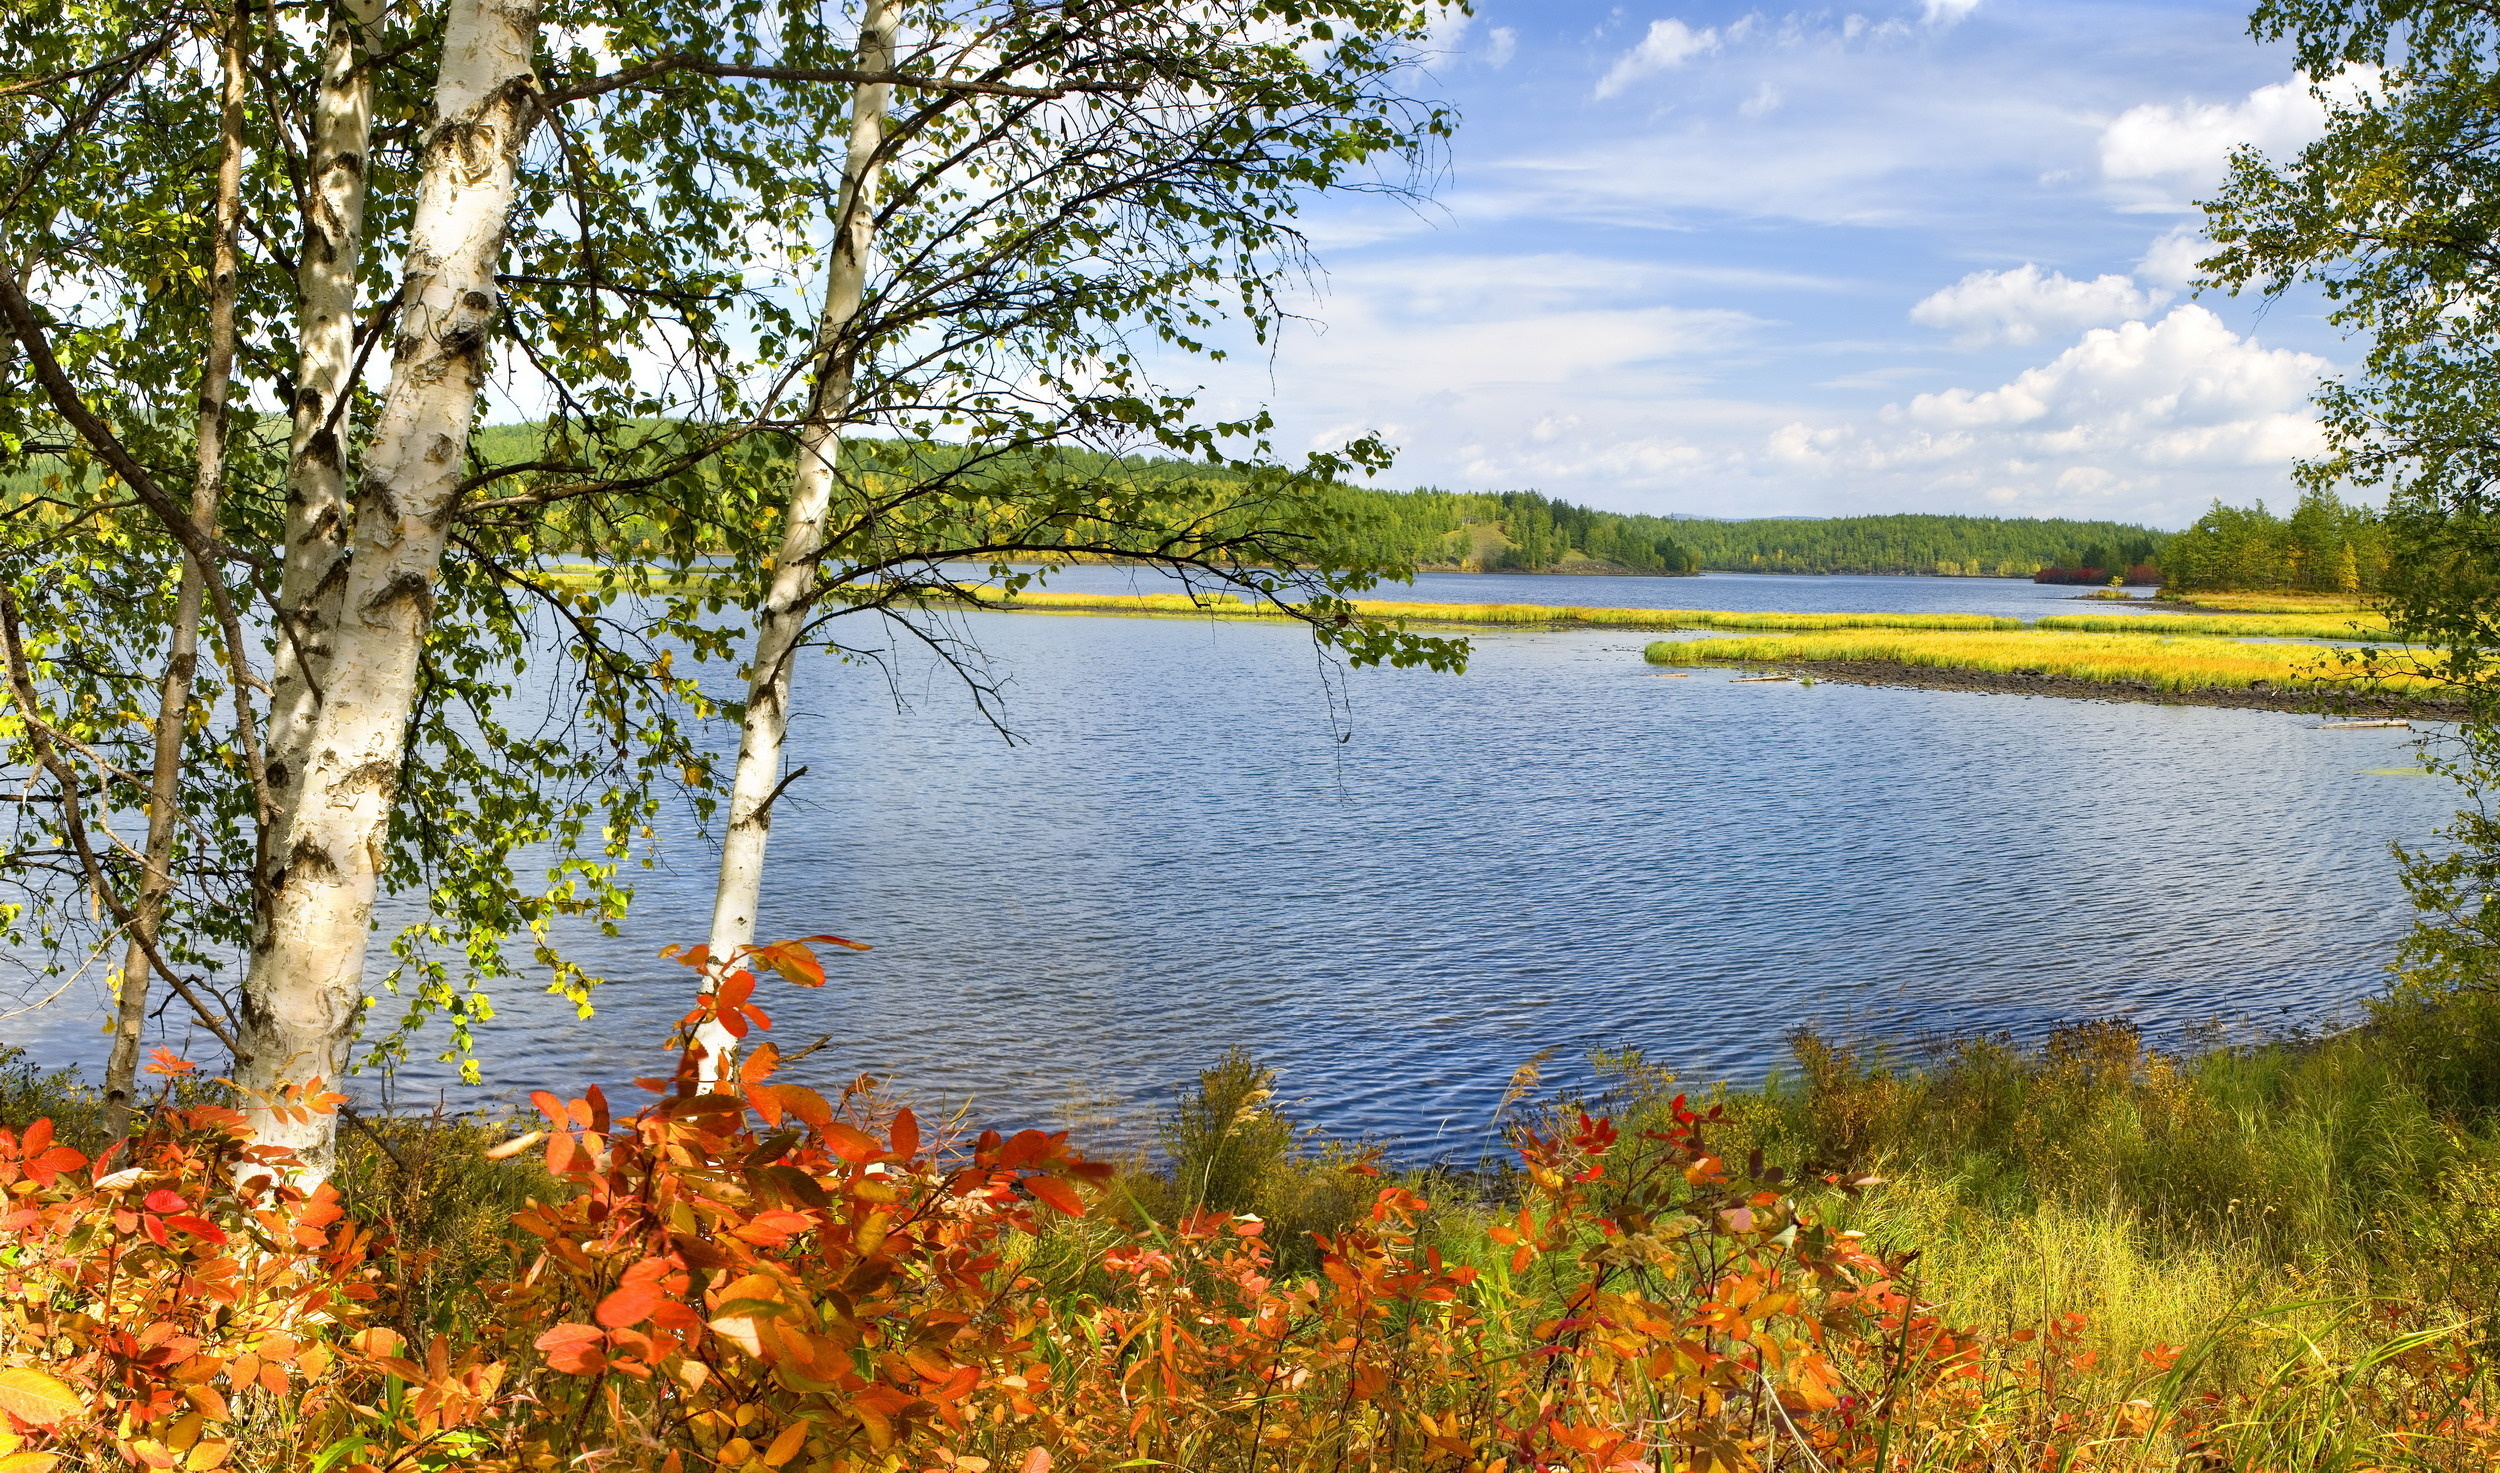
(311,861)
(414,587)
(379,776)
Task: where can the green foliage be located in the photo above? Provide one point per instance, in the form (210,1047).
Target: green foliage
(1996,547)
(1222,1138)
(2324,546)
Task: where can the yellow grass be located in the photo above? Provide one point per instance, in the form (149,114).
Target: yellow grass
(2273,603)
(1226,606)
(2256,626)
(2196,663)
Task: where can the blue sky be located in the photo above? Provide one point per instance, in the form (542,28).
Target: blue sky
(1923,256)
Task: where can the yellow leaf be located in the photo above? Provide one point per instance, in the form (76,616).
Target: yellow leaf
(31,1396)
(27,1462)
(787,1445)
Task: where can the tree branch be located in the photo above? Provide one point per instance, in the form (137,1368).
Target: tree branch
(73,818)
(654,71)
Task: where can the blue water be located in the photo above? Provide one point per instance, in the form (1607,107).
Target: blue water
(1742,592)
(1397,885)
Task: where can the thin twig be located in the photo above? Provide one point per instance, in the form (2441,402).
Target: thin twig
(73,819)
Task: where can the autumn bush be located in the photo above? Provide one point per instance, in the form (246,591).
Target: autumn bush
(747,1273)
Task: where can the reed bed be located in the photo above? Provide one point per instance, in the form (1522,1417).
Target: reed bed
(1227,606)
(2273,603)
(2371,627)
(2163,663)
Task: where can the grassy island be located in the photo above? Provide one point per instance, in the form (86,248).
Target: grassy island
(1556,616)
(2070,663)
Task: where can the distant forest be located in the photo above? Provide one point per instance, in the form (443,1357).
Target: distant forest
(1524,531)
(2324,546)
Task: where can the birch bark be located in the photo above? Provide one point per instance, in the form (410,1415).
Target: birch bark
(173,705)
(315,554)
(756,782)
(302,993)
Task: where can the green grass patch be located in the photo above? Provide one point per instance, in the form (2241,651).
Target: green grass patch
(2163,663)
(2371,627)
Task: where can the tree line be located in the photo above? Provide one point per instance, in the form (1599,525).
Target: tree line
(2326,545)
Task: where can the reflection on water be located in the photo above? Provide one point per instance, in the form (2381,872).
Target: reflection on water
(1557,849)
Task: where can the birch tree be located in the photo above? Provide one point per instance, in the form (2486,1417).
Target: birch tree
(1050,188)
(1032,239)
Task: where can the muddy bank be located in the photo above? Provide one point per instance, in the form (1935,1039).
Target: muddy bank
(2069,687)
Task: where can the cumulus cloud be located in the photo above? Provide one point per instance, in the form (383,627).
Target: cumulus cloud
(1949,12)
(1669,44)
(2025,304)
(2161,156)
(1500,45)
(2127,414)
(2170,261)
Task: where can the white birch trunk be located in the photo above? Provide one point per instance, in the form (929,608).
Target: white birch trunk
(305,987)
(767,723)
(173,703)
(315,567)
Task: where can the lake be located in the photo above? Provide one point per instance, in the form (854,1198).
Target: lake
(1396,886)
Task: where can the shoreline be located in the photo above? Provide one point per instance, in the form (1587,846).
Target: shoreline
(2073,687)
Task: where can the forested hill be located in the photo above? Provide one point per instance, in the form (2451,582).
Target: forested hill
(1524,531)
(1969,547)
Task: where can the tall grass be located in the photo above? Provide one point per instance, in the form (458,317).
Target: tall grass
(2174,664)
(2256,626)
(2273,603)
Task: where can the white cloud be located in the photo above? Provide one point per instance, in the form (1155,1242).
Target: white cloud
(1500,45)
(2128,413)
(2024,304)
(1949,12)
(2170,261)
(1669,44)
(2161,156)
(1766,98)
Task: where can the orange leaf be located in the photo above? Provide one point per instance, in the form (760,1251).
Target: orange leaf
(574,1349)
(787,1445)
(1057,1193)
(630,1305)
(852,1145)
(906,1134)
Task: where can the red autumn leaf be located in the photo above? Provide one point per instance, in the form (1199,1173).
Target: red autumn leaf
(735,989)
(165,1061)
(838,941)
(199,1227)
(575,1349)
(44,1168)
(1056,1193)
(852,1145)
(793,961)
(629,1305)
(551,1107)
(906,1134)
(163,1200)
